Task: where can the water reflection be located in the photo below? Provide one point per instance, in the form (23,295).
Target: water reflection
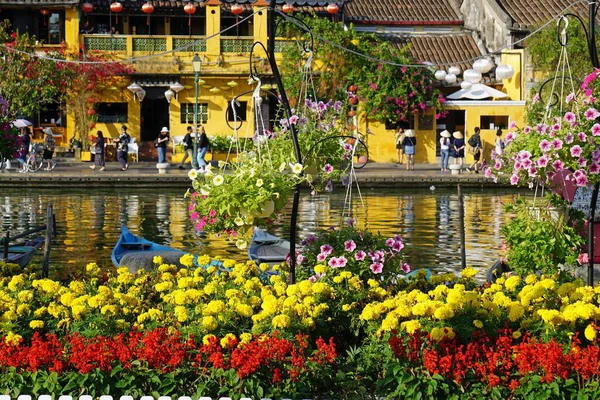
(89,222)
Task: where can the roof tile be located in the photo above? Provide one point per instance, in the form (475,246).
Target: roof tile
(401,10)
(527,14)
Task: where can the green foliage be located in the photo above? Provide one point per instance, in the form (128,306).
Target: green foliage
(9,269)
(537,240)
(9,139)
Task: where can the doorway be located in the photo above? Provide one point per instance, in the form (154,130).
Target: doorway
(154,114)
(453,121)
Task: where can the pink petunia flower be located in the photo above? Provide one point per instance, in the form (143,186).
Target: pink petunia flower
(570,97)
(514,179)
(397,246)
(582,181)
(328,168)
(526,130)
(557,144)
(591,114)
(376,267)
(542,162)
(545,145)
(389,242)
(535,99)
(596,130)
(326,249)
(582,136)
(518,166)
(594,168)
(349,245)
(578,173)
(570,117)
(360,255)
(583,258)
(524,155)
(488,172)
(558,165)
(512,125)
(576,151)
(404,267)
(342,261)
(532,172)
(556,127)
(509,138)
(321,257)
(333,262)
(498,165)
(582,162)
(527,164)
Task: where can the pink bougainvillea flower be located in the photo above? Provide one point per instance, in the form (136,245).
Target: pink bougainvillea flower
(582,137)
(589,79)
(545,145)
(526,130)
(376,267)
(591,114)
(404,267)
(333,262)
(349,245)
(326,249)
(570,117)
(594,168)
(195,215)
(569,138)
(342,261)
(360,255)
(328,168)
(558,165)
(557,144)
(514,179)
(576,151)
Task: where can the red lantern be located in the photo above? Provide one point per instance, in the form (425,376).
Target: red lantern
(87,7)
(288,8)
(237,9)
(44,11)
(90,100)
(116,7)
(333,9)
(148,8)
(91,112)
(189,9)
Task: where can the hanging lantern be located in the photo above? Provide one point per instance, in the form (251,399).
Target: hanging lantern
(87,7)
(44,11)
(176,87)
(232,84)
(237,9)
(169,95)
(450,78)
(472,76)
(504,71)
(215,90)
(91,112)
(483,65)
(116,8)
(466,85)
(148,9)
(440,74)
(288,8)
(190,9)
(141,94)
(333,9)
(134,88)
(454,70)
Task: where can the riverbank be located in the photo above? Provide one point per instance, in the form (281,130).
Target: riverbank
(145,175)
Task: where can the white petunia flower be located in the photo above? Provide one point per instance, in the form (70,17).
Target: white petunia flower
(241,244)
(259,182)
(218,180)
(296,168)
(192,174)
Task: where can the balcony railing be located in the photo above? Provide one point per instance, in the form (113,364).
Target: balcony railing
(237,45)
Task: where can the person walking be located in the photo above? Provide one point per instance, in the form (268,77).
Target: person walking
(458,148)
(499,143)
(399,146)
(188,146)
(203,144)
(475,149)
(445,149)
(122,147)
(49,149)
(99,152)
(161,144)
(410,144)
(24,148)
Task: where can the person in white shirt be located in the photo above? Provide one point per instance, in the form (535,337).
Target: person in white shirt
(445,149)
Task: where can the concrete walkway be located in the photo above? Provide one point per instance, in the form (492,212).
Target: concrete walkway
(145,174)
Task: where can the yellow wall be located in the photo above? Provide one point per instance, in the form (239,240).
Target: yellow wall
(515,86)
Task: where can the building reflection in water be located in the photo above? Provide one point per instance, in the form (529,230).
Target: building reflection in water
(89,223)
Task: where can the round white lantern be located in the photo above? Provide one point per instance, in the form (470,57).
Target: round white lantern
(450,78)
(440,74)
(466,85)
(454,70)
(134,87)
(169,95)
(472,76)
(483,65)
(504,71)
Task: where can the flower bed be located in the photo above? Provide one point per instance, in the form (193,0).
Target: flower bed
(216,332)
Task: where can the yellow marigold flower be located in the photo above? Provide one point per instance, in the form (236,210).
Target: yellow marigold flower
(55,310)
(157,260)
(478,324)
(12,339)
(516,334)
(531,279)
(254,301)
(208,338)
(36,324)
(181,313)
(346,307)
(338,279)
(180,297)
(245,337)
(22,309)
(77,287)
(590,332)
(420,309)
(163,286)
(373,283)
(548,283)
(244,310)
(215,307)
(308,322)
(281,321)
(109,309)
(67,298)
(25,296)
(512,282)
(411,326)
(230,337)
(551,317)
(438,334)
(203,260)
(321,287)
(92,270)
(469,273)
(187,260)
(15,282)
(77,310)
(320,269)
(390,322)
(209,323)
(443,313)
(515,311)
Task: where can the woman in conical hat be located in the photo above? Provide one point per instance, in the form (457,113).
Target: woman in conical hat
(458,147)
(445,143)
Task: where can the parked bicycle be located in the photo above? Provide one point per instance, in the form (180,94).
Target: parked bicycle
(35,160)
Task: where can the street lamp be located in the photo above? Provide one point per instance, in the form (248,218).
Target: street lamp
(196,64)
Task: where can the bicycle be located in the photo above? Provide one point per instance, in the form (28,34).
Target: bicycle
(35,160)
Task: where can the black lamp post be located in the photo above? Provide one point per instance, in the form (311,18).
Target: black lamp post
(196,64)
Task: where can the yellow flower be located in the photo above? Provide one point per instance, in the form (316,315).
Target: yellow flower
(259,182)
(230,337)
(208,338)
(438,334)
(25,296)
(245,337)
(469,273)
(531,279)
(478,324)
(163,286)
(411,326)
(320,269)
(590,332)
(516,334)
(192,174)
(22,309)
(15,282)
(241,244)
(36,324)
(92,270)
(346,307)
(187,260)
(181,313)
(209,323)
(512,282)
(244,310)
(13,339)
(296,168)
(215,307)
(443,313)
(281,321)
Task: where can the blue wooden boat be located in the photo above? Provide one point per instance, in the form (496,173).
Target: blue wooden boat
(497,270)
(266,248)
(130,246)
(22,254)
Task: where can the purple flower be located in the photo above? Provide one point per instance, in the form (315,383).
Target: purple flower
(582,162)
(596,130)
(570,117)
(545,145)
(284,122)
(532,172)
(488,172)
(389,242)
(405,267)
(526,130)
(558,165)
(581,181)
(557,144)
(594,168)
(326,249)
(376,267)
(342,261)
(328,168)
(541,128)
(360,255)
(556,127)
(596,155)
(321,257)
(350,222)
(570,97)
(308,103)
(509,138)
(345,180)
(576,151)
(514,179)
(293,119)
(329,186)
(527,164)
(512,125)
(569,138)
(337,106)
(591,114)
(333,262)
(524,155)
(397,246)
(542,162)
(582,136)
(349,245)
(498,165)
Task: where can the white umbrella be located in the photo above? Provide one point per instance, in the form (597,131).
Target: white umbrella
(477,91)
(21,123)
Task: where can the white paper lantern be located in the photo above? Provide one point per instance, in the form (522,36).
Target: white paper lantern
(483,65)
(466,85)
(134,87)
(141,94)
(454,70)
(472,76)
(169,95)
(504,71)
(450,78)
(440,74)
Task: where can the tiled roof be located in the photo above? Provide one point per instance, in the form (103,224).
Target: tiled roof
(385,11)
(527,14)
(440,50)
(177,5)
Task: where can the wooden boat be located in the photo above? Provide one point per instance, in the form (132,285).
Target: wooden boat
(22,254)
(138,251)
(266,248)
(496,270)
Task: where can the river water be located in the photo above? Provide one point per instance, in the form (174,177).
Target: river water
(89,221)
